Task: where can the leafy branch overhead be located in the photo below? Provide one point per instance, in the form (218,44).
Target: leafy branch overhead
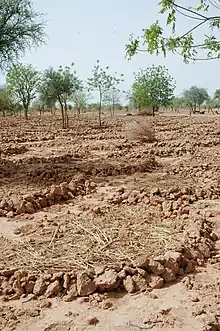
(21,28)
(185,44)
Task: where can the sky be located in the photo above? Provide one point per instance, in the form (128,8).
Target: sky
(84,31)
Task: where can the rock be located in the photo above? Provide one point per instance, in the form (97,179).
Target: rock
(107,304)
(66,281)
(39,287)
(122,274)
(29,208)
(7,273)
(156,267)
(17,287)
(85,286)
(172,261)
(29,287)
(43,202)
(45,304)
(129,284)
(10,214)
(140,282)
(21,208)
(72,294)
(155,282)
(56,190)
(142,262)
(168,276)
(53,289)
(155,191)
(190,267)
(108,280)
(130,271)
(93,320)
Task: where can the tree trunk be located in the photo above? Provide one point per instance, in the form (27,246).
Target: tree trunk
(66,115)
(63,116)
(26,113)
(100,109)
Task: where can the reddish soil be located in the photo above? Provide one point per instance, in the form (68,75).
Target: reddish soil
(105,230)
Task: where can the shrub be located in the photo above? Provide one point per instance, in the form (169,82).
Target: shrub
(140,131)
(145,112)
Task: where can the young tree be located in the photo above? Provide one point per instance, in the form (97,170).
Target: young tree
(60,85)
(80,100)
(22,82)
(195,97)
(102,82)
(185,44)
(20,28)
(111,99)
(153,88)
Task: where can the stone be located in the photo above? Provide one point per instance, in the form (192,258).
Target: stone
(85,285)
(29,287)
(155,282)
(45,304)
(156,267)
(168,276)
(108,280)
(129,284)
(140,282)
(29,208)
(39,287)
(66,281)
(142,262)
(43,202)
(53,289)
(93,320)
(72,294)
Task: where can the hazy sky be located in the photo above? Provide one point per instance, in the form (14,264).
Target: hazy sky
(82,31)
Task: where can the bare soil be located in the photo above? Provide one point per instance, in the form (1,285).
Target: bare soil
(102,230)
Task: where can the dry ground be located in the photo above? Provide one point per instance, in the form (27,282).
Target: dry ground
(128,198)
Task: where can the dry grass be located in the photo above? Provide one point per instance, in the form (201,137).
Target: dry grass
(121,235)
(140,131)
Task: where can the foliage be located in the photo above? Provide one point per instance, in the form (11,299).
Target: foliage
(216,98)
(20,28)
(22,82)
(153,88)
(178,102)
(102,82)
(80,99)
(185,44)
(111,99)
(5,100)
(60,85)
(195,96)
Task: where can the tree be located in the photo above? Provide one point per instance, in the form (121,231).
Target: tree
(5,100)
(194,97)
(185,44)
(22,82)
(178,103)
(111,99)
(216,98)
(153,88)
(60,85)
(80,100)
(21,28)
(102,82)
